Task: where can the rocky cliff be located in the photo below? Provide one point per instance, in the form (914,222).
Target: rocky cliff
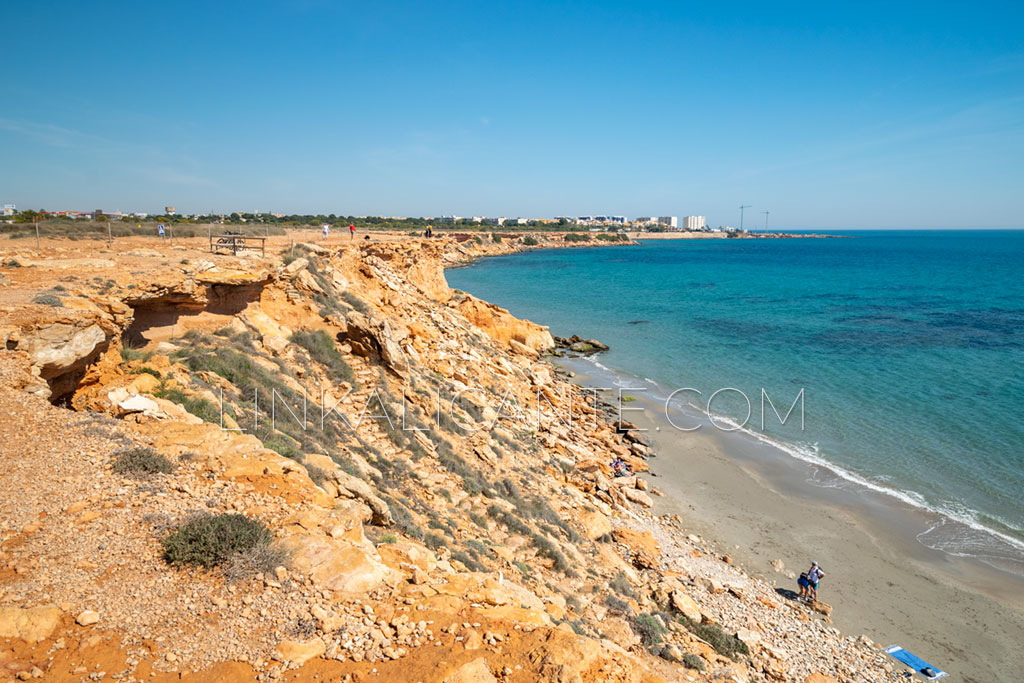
(323,463)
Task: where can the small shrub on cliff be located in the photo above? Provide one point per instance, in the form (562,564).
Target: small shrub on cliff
(496,238)
(47,300)
(648,628)
(141,462)
(209,540)
(530,241)
(692,661)
(577,237)
(261,558)
(200,407)
(321,348)
(621,585)
(724,643)
(617,605)
(355,302)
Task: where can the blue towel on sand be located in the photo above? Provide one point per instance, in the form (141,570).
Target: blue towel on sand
(915,662)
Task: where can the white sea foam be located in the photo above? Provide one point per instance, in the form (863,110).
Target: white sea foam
(986,544)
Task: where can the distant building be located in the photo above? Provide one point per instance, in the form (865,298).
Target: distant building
(170,211)
(518,221)
(495,221)
(10,209)
(671,222)
(475,219)
(694,223)
(140,214)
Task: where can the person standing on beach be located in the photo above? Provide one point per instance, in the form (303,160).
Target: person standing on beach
(814,575)
(352,231)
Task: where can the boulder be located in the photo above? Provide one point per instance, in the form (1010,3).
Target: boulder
(643,548)
(33,624)
(296,266)
(373,337)
(299,651)
(476,671)
(87,618)
(820,607)
(686,606)
(638,496)
(595,525)
(337,565)
(749,637)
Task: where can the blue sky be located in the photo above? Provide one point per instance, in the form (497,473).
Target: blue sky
(874,116)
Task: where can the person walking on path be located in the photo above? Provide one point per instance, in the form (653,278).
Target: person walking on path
(352,231)
(326,229)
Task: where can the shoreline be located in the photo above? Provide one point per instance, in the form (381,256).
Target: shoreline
(959,613)
(700,235)
(923,599)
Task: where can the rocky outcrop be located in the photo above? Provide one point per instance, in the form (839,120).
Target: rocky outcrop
(60,346)
(503,327)
(373,337)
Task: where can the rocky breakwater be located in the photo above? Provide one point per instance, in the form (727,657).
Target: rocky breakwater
(414,495)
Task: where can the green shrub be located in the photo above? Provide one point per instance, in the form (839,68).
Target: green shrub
(616,604)
(209,540)
(128,354)
(495,237)
(724,643)
(261,558)
(321,348)
(141,462)
(388,538)
(47,300)
(200,407)
(471,564)
(577,237)
(692,661)
(530,241)
(648,628)
(621,585)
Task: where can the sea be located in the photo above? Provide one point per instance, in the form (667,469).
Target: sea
(907,346)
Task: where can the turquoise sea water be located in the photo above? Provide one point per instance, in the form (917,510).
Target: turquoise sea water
(909,347)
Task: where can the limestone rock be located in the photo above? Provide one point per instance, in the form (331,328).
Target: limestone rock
(644,549)
(595,524)
(819,678)
(337,565)
(32,624)
(87,618)
(476,671)
(299,652)
(686,606)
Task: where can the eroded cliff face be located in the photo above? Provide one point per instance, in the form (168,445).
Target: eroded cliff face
(427,526)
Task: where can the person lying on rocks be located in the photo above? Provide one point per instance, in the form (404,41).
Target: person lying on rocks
(620,468)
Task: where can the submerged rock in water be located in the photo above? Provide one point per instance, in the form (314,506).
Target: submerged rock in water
(583,346)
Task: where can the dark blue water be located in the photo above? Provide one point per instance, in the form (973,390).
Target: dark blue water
(909,347)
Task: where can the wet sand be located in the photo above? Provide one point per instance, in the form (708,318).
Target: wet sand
(759,506)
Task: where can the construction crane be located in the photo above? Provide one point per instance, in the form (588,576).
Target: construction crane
(742,206)
(765,220)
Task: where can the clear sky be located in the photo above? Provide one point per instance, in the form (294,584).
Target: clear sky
(828,116)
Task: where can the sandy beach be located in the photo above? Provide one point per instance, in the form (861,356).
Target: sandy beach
(758,507)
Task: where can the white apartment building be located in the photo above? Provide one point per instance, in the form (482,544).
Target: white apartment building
(671,222)
(694,223)
(495,221)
